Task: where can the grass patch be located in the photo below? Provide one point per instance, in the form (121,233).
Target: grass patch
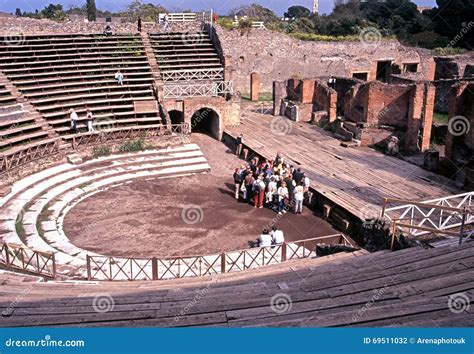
(441,118)
(132,146)
(448,51)
(20,230)
(263,97)
(101,151)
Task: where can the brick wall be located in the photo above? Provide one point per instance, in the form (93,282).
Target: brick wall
(461,104)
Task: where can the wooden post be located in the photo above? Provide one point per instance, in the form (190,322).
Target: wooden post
(154,268)
(393,235)
(385,200)
(53,258)
(283,252)
(463,222)
(222,262)
(88,263)
(7,255)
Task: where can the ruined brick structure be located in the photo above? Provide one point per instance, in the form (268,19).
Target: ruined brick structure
(277,56)
(372,111)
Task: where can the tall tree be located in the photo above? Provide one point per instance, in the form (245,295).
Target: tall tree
(454,19)
(255,12)
(91,10)
(18,12)
(297,12)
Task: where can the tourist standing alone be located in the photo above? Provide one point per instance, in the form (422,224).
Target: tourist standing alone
(139,24)
(119,77)
(166,25)
(90,121)
(73,116)
(239,141)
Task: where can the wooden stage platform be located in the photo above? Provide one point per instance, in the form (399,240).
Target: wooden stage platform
(356,179)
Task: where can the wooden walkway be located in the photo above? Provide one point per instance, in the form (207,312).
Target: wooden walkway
(356,179)
(413,287)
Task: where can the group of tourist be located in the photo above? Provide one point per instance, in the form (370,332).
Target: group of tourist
(274,184)
(274,237)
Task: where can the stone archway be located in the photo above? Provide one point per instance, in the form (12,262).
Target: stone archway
(207,121)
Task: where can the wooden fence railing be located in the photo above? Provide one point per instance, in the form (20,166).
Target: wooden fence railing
(17,257)
(116,268)
(22,155)
(18,156)
(126,133)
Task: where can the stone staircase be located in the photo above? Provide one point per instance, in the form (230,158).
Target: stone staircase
(186,56)
(150,54)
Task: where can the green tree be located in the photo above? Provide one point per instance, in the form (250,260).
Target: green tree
(53,12)
(454,19)
(147,12)
(18,12)
(91,10)
(255,12)
(295,12)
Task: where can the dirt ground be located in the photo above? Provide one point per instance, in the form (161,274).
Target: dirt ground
(182,216)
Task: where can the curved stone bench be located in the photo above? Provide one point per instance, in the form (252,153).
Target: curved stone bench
(61,185)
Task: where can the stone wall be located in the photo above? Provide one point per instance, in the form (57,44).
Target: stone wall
(387,104)
(311,96)
(15,26)
(343,86)
(454,67)
(228,111)
(277,56)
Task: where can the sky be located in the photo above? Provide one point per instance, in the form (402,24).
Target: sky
(221,6)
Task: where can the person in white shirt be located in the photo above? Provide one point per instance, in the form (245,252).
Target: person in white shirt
(119,77)
(271,191)
(282,196)
(265,239)
(73,116)
(277,236)
(299,196)
(166,24)
(306,183)
(90,121)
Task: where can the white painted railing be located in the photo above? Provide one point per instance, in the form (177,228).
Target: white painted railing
(430,216)
(179,17)
(197,74)
(212,89)
(255,24)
